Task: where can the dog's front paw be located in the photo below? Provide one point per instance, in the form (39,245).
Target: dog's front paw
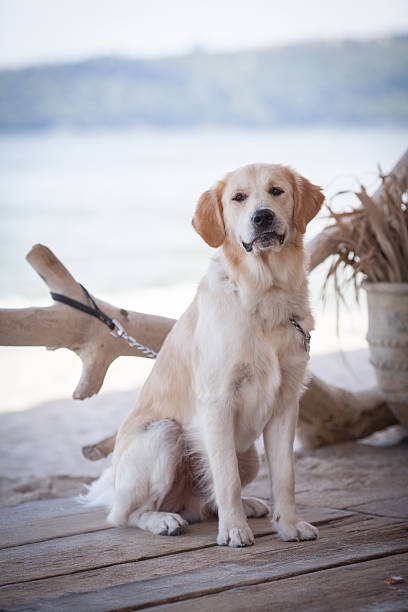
(296,531)
(236,537)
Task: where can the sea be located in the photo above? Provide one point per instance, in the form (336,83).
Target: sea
(116,207)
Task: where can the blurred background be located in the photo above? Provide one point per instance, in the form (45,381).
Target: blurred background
(116,114)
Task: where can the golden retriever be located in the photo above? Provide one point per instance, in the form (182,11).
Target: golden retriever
(232,367)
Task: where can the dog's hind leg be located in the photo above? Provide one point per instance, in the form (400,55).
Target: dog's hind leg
(144,475)
(248,465)
(160,523)
(254,507)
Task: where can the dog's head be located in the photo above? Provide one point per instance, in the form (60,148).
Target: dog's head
(260,207)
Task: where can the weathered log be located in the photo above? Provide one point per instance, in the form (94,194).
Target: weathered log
(329,414)
(60,326)
(101,449)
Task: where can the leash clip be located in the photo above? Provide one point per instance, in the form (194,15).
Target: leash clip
(118,331)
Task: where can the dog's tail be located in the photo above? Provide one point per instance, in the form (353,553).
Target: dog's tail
(100,492)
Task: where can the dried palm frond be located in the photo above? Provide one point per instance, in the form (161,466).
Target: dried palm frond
(372,241)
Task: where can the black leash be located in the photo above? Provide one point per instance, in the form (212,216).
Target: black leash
(95,311)
(116,329)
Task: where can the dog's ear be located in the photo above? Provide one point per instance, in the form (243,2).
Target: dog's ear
(208,219)
(308,201)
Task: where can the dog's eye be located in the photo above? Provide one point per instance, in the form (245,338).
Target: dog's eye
(240,197)
(275,191)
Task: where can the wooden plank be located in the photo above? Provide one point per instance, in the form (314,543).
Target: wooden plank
(92,550)
(271,560)
(88,580)
(88,520)
(361,523)
(100,548)
(348,474)
(396,507)
(50,508)
(45,508)
(360,586)
(41,529)
(338,497)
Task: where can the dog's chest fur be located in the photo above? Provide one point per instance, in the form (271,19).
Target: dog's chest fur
(254,344)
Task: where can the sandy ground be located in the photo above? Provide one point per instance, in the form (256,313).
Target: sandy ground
(40,453)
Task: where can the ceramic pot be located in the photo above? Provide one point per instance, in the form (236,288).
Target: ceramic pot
(388,341)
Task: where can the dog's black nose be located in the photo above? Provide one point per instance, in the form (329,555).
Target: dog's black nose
(262,218)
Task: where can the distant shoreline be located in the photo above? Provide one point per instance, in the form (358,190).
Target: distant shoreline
(345,82)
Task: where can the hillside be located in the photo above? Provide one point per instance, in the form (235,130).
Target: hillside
(319,83)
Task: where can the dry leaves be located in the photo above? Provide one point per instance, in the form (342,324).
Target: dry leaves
(373,240)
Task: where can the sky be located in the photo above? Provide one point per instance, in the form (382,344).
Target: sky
(48,31)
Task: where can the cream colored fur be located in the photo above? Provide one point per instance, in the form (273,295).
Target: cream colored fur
(231,369)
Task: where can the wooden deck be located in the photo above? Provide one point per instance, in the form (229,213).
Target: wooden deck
(57,556)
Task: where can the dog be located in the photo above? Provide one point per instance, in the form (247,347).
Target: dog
(233,367)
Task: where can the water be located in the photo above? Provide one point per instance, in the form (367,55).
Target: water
(116,206)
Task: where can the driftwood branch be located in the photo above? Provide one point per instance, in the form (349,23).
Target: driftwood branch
(101,449)
(327,414)
(60,326)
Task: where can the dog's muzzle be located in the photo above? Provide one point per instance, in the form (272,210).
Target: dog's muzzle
(263,221)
